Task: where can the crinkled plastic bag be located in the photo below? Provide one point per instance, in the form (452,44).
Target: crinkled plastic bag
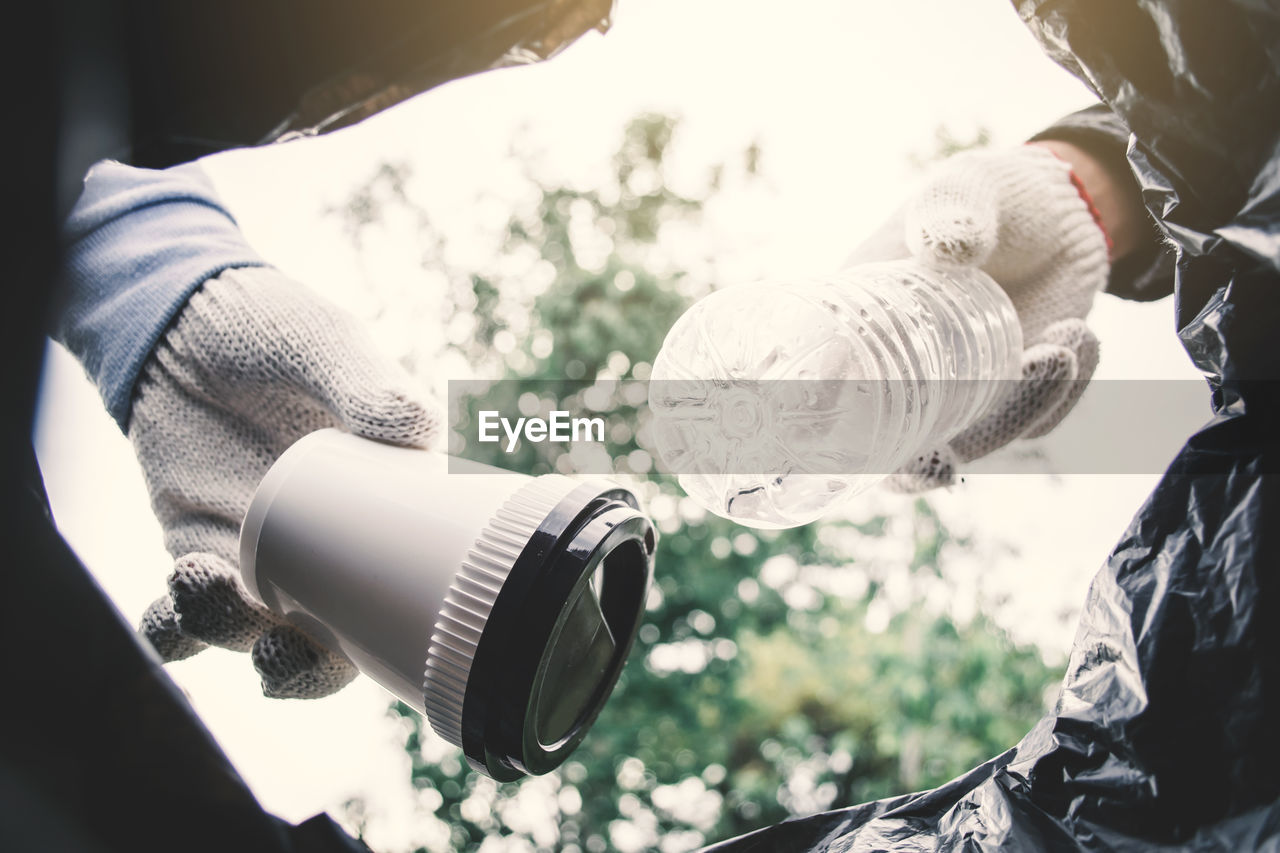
(209,75)
(1166,734)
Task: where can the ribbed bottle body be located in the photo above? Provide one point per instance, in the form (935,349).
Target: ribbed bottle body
(775,401)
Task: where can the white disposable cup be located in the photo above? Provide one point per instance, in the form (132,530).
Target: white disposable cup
(453,585)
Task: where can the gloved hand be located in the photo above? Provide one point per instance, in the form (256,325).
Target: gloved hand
(253,363)
(1019,216)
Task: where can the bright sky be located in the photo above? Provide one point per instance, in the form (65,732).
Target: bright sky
(838,94)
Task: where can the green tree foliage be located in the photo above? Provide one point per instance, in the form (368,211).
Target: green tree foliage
(766,680)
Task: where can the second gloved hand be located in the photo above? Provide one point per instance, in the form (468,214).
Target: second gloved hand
(1021,217)
(253,363)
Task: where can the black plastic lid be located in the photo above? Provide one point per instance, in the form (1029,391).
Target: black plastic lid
(558,635)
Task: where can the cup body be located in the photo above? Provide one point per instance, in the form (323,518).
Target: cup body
(500,606)
(357,543)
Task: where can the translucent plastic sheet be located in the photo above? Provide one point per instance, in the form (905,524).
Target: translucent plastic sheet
(1166,733)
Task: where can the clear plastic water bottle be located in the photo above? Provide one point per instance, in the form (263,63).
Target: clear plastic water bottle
(773,402)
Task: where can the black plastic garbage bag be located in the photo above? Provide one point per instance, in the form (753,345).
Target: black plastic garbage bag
(1166,731)
(1166,734)
(99,749)
(165,82)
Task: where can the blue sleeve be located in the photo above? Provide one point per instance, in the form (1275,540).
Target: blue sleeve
(137,244)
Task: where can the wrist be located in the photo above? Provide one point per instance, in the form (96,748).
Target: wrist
(137,244)
(1115,210)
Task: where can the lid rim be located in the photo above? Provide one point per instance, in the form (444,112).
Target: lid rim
(468,604)
(496,705)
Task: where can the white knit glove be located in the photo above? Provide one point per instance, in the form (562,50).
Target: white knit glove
(1019,216)
(253,363)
